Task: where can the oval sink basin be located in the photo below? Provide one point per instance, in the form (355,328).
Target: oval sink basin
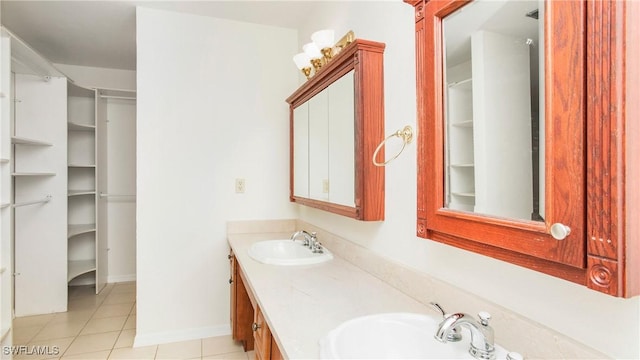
(286,252)
(393,336)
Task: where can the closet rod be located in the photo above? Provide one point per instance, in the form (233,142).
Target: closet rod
(117,97)
(43,201)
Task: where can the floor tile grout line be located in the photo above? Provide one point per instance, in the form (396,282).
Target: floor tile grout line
(87,322)
(85,325)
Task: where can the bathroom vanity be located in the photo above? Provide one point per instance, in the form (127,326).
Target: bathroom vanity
(300,305)
(283,311)
(247,321)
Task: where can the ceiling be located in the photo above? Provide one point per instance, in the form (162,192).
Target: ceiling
(103,33)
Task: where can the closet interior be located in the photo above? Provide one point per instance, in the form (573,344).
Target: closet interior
(55,196)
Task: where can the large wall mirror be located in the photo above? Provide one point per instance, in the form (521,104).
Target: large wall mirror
(501,167)
(525,153)
(336,118)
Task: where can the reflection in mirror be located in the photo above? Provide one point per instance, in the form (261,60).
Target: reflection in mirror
(342,141)
(495,109)
(301,155)
(324,144)
(319,146)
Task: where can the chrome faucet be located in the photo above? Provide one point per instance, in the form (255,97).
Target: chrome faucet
(314,244)
(482,346)
(307,237)
(310,240)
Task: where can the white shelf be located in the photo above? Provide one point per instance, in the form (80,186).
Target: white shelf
(80,127)
(33,174)
(81,166)
(80,229)
(25,141)
(4,205)
(464,124)
(464,194)
(4,161)
(76,268)
(462,165)
(81,192)
(462,84)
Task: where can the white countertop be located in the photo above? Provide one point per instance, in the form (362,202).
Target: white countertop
(302,303)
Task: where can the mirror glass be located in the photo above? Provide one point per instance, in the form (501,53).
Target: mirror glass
(494,106)
(301,153)
(324,144)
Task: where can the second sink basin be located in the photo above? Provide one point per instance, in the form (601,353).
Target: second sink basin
(393,336)
(286,252)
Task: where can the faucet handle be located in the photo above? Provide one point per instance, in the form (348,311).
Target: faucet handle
(484,318)
(454,334)
(439,308)
(514,356)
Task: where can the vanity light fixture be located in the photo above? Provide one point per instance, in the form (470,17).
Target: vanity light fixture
(303,61)
(324,39)
(320,51)
(311,49)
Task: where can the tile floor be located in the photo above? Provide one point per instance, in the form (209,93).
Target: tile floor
(103,327)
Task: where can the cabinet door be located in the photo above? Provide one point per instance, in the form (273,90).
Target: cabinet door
(262,336)
(232,296)
(525,241)
(241,308)
(275,350)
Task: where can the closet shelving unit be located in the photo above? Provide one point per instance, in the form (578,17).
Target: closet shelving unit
(36,137)
(6,186)
(461,174)
(82,230)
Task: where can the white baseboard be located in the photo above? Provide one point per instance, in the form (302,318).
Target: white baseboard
(121,278)
(165,337)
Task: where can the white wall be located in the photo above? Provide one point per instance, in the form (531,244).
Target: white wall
(582,314)
(210,109)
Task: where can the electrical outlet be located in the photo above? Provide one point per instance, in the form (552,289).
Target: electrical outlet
(240,186)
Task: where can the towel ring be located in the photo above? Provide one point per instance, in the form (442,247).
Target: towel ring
(405,134)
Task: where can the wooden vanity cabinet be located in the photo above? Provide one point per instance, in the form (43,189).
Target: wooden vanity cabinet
(592,144)
(248,325)
(241,308)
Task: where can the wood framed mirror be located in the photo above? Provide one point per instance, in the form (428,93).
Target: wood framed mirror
(572,220)
(336,122)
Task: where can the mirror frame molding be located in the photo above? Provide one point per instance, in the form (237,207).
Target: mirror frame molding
(606,250)
(365,58)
